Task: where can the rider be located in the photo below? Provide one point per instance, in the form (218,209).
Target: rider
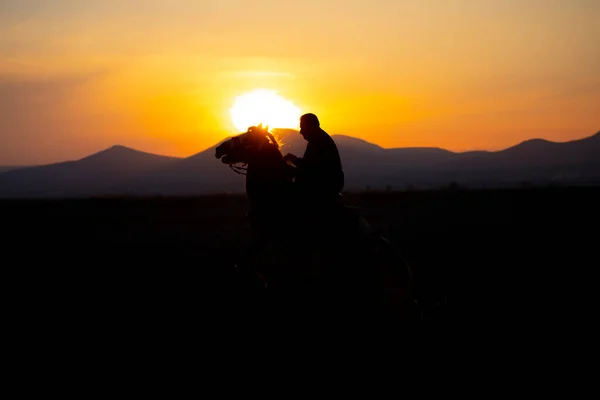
(319,177)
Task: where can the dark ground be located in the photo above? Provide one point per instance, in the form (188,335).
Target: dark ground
(164,264)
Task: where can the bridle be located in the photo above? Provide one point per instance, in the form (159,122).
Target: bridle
(240,170)
(243,169)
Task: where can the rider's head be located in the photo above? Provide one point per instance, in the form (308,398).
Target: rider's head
(309,125)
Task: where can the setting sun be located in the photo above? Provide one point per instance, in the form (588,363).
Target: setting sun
(266,107)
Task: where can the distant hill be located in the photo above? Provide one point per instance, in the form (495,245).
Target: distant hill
(4,169)
(123,171)
(534,161)
(99,174)
(201,173)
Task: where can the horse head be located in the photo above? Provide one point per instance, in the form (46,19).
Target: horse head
(244,147)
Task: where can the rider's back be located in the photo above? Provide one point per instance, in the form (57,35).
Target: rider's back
(320,176)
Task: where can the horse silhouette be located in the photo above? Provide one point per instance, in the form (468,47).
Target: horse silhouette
(334,253)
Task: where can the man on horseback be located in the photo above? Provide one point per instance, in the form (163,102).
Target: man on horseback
(319,177)
(325,257)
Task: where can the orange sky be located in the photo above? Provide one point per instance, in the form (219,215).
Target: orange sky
(77,77)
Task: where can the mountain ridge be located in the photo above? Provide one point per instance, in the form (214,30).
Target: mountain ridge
(7,168)
(120,170)
(287,132)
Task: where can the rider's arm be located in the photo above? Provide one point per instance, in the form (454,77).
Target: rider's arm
(297,161)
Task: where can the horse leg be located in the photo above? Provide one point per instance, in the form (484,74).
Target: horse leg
(397,279)
(384,274)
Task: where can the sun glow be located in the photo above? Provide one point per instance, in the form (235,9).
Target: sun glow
(266,107)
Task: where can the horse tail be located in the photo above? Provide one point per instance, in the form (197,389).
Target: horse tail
(396,273)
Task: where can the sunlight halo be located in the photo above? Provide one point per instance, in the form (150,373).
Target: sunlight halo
(266,107)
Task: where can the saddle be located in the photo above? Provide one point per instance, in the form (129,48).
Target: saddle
(307,220)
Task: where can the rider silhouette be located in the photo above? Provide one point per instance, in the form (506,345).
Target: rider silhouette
(319,177)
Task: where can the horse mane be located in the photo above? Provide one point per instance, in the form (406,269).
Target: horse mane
(268,135)
(273,140)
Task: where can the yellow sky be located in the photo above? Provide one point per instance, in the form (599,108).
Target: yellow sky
(77,77)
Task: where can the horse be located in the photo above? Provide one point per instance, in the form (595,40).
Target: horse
(337,255)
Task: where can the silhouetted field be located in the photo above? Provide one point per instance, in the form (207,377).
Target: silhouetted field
(489,255)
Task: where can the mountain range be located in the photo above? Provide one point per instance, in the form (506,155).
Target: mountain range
(119,170)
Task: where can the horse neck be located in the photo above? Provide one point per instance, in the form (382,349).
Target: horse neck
(266,177)
(267,165)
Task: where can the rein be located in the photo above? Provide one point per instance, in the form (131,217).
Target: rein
(243,170)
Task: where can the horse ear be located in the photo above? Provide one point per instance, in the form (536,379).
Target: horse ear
(267,128)
(260,126)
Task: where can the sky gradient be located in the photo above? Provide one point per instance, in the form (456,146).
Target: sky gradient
(78,76)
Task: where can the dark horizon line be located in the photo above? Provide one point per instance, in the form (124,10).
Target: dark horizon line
(13,166)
